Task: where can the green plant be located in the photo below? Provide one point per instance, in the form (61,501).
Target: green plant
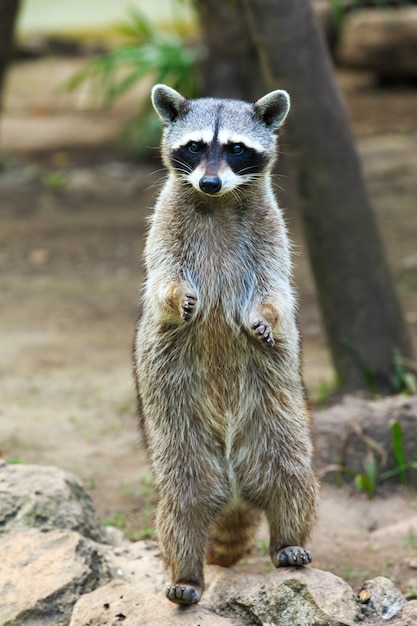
(398,445)
(54,180)
(411,540)
(404,380)
(147,533)
(338,12)
(149,51)
(349,573)
(117,520)
(368,480)
(324,391)
(402,465)
(15,460)
(262,546)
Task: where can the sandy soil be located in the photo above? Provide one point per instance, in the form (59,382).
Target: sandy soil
(73,211)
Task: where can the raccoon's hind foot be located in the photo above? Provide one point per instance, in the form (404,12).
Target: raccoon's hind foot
(188,306)
(184,593)
(264,332)
(291,556)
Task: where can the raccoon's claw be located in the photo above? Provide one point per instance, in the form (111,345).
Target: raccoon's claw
(292,556)
(263,332)
(183,593)
(188,305)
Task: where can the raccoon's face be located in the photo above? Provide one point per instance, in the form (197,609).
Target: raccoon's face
(217,145)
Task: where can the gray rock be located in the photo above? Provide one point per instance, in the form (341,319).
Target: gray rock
(300,597)
(120,602)
(346,433)
(33,496)
(408,616)
(53,577)
(385,599)
(405,530)
(138,563)
(383,41)
(42,575)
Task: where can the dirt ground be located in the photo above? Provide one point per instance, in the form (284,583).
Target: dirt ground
(73,210)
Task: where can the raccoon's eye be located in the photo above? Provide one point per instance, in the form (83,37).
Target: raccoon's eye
(236,148)
(194,146)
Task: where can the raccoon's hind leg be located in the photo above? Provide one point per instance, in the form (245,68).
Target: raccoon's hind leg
(232,533)
(187,501)
(189,495)
(291,512)
(277,476)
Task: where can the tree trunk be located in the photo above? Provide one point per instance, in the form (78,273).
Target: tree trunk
(361,312)
(8,15)
(360,308)
(231,69)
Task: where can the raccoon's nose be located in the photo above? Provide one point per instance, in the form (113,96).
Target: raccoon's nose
(210,184)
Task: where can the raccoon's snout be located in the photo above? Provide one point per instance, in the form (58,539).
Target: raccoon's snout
(210,184)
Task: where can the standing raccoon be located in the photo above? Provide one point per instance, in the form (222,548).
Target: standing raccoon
(217,350)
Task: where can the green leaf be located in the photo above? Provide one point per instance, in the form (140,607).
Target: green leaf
(148,51)
(398,446)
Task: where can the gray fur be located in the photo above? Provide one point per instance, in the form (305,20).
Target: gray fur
(273,108)
(217,358)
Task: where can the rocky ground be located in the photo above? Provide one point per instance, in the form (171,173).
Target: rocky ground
(73,212)
(60,567)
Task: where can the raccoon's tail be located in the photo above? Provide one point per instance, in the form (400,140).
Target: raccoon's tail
(232,533)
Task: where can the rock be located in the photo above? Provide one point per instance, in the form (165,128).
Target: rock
(122,602)
(138,563)
(120,180)
(408,616)
(347,432)
(42,574)
(386,158)
(401,531)
(381,40)
(33,496)
(55,576)
(385,599)
(284,598)
(307,592)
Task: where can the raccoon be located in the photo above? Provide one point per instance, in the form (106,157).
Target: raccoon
(217,348)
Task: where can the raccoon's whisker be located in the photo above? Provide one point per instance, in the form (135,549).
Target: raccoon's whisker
(287,147)
(275,185)
(156,184)
(186,166)
(249,167)
(183,189)
(160,169)
(238,198)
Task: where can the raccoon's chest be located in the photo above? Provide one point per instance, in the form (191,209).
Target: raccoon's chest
(220,264)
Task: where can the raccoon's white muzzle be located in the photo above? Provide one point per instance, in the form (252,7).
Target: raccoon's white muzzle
(211,184)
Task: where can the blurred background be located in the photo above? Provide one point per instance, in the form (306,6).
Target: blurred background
(79,171)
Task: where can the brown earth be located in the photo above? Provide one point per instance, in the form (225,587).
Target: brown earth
(73,212)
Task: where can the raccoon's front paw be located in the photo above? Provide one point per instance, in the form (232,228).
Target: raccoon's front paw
(188,306)
(263,332)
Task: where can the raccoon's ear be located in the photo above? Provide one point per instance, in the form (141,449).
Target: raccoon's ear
(273,108)
(168,103)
